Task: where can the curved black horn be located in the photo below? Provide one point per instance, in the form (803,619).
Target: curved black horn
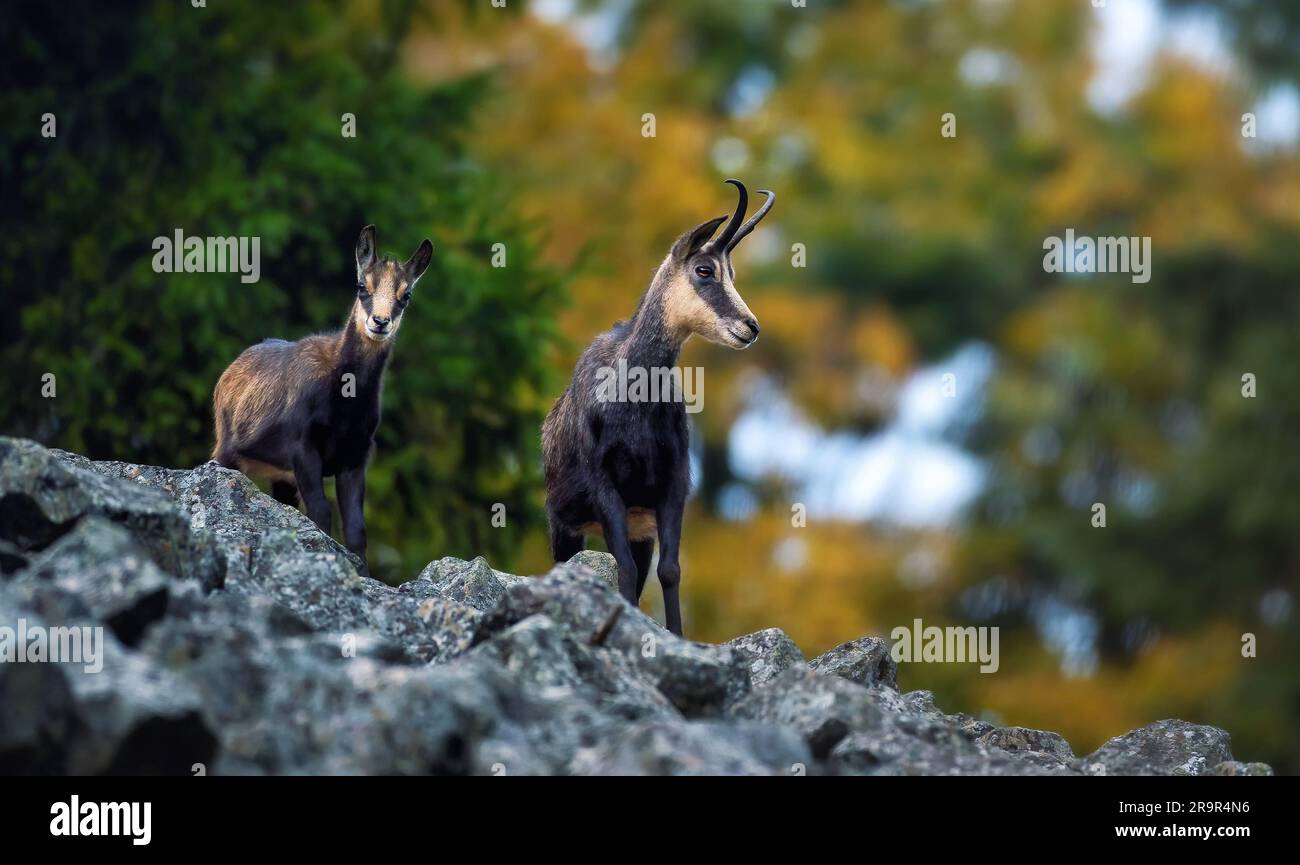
(753,220)
(723,240)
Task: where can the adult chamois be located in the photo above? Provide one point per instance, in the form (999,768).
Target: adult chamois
(621,469)
(299,412)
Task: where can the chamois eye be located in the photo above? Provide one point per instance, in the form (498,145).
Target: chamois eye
(362,293)
(704,272)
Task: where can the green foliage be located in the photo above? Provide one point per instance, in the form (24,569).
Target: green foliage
(227,121)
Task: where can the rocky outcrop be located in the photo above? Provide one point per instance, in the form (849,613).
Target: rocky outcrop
(234,636)
(1170,748)
(865,660)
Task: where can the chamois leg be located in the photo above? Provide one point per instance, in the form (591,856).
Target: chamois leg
(642,553)
(613,520)
(564,545)
(311,486)
(226,456)
(669,517)
(351,488)
(285,492)
(223,452)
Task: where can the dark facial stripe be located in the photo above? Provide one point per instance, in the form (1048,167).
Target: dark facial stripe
(720,302)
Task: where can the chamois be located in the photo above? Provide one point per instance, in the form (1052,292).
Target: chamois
(298,412)
(622,469)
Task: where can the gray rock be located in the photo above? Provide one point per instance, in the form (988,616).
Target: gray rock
(326,592)
(354,703)
(224,506)
(915,738)
(823,709)
(322,712)
(1164,748)
(601,564)
(969,726)
(96,572)
(766,653)
(700,680)
(542,655)
(872,731)
(43,495)
(473,584)
(1233,767)
(109,711)
(1023,739)
(865,660)
(920,702)
(441,571)
(921,747)
(237,635)
(696,748)
(1049,752)
(434,629)
(134,718)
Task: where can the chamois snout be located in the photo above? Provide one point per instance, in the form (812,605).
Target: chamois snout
(746,331)
(733,325)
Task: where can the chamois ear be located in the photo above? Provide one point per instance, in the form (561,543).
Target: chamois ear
(419,260)
(692,241)
(365,249)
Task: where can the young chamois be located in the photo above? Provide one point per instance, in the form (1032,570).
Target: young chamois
(299,412)
(621,469)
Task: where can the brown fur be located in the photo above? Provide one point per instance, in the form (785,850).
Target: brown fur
(252,395)
(642,525)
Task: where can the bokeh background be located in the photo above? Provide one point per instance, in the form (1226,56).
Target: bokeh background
(523,126)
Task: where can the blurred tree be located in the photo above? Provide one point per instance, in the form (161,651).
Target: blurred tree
(1265,33)
(227,120)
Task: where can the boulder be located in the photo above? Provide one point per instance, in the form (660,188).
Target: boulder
(105,710)
(543,656)
(1167,747)
(473,584)
(603,565)
(97,572)
(700,680)
(43,494)
(222,505)
(822,709)
(696,748)
(1025,740)
(765,654)
(865,660)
